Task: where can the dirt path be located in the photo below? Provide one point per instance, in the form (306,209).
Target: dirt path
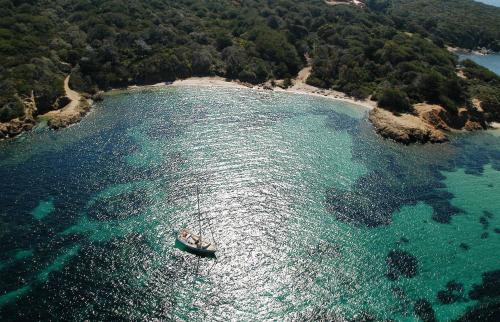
(300,86)
(71,113)
(73,106)
(74,96)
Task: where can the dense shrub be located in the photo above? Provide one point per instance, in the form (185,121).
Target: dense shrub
(463,23)
(473,70)
(106,44)
(394,100)
(11,110)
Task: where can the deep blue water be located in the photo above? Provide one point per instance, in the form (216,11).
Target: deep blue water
(316,217)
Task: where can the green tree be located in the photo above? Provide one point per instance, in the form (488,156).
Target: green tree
(394,100)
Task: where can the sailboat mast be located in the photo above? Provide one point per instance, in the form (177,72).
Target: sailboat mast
(199,213)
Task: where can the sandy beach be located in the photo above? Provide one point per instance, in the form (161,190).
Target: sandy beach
(299,87)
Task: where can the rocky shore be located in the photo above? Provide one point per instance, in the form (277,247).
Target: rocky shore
(62,119)
(19,125)
(482,51)
(72,113)
(16,127)
(428,124)
(405,128)
(76,108)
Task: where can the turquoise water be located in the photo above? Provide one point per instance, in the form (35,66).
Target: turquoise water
(316,217)
(44,208)
(492,62)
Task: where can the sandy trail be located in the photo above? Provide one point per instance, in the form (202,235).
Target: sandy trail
(73,95)
(299,86)
(73,107)
(72,113)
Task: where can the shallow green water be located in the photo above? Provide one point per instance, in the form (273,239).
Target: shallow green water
(304,200)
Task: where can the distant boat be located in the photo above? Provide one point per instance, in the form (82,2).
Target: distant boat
(196,243)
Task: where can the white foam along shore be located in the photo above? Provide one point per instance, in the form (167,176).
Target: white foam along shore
(299,87)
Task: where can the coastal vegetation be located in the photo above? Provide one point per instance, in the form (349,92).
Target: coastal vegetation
(389,51)
(362,60)
(485,85)
(462,23)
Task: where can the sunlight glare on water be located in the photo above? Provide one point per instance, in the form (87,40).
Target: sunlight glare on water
(308,206)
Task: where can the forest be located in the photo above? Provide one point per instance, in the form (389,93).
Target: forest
(386,50)
(462,23)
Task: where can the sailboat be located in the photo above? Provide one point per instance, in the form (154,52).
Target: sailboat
(195,243)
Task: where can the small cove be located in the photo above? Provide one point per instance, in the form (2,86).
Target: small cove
(316,216)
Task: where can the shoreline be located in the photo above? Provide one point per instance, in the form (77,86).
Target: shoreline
(464,51)
(79,105)
(72,113)
(299,87)
(405,129)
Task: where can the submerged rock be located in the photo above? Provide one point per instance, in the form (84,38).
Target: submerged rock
(401,263)
(454,292)
(363,317)
(483,312)
(423,309)
(489,288)
(488,294)
(488,214)
(484,221)
(119,207)
(464,246)
(403,240)
(366,202)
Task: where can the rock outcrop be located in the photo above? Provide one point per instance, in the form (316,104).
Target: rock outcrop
(434,115)
(66,118)
(471,125)
(73,112)
(15,127)
(21,124)
(429,123)
(67,110)
(407,128)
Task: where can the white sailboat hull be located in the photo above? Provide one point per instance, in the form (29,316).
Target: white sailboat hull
(192,243)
